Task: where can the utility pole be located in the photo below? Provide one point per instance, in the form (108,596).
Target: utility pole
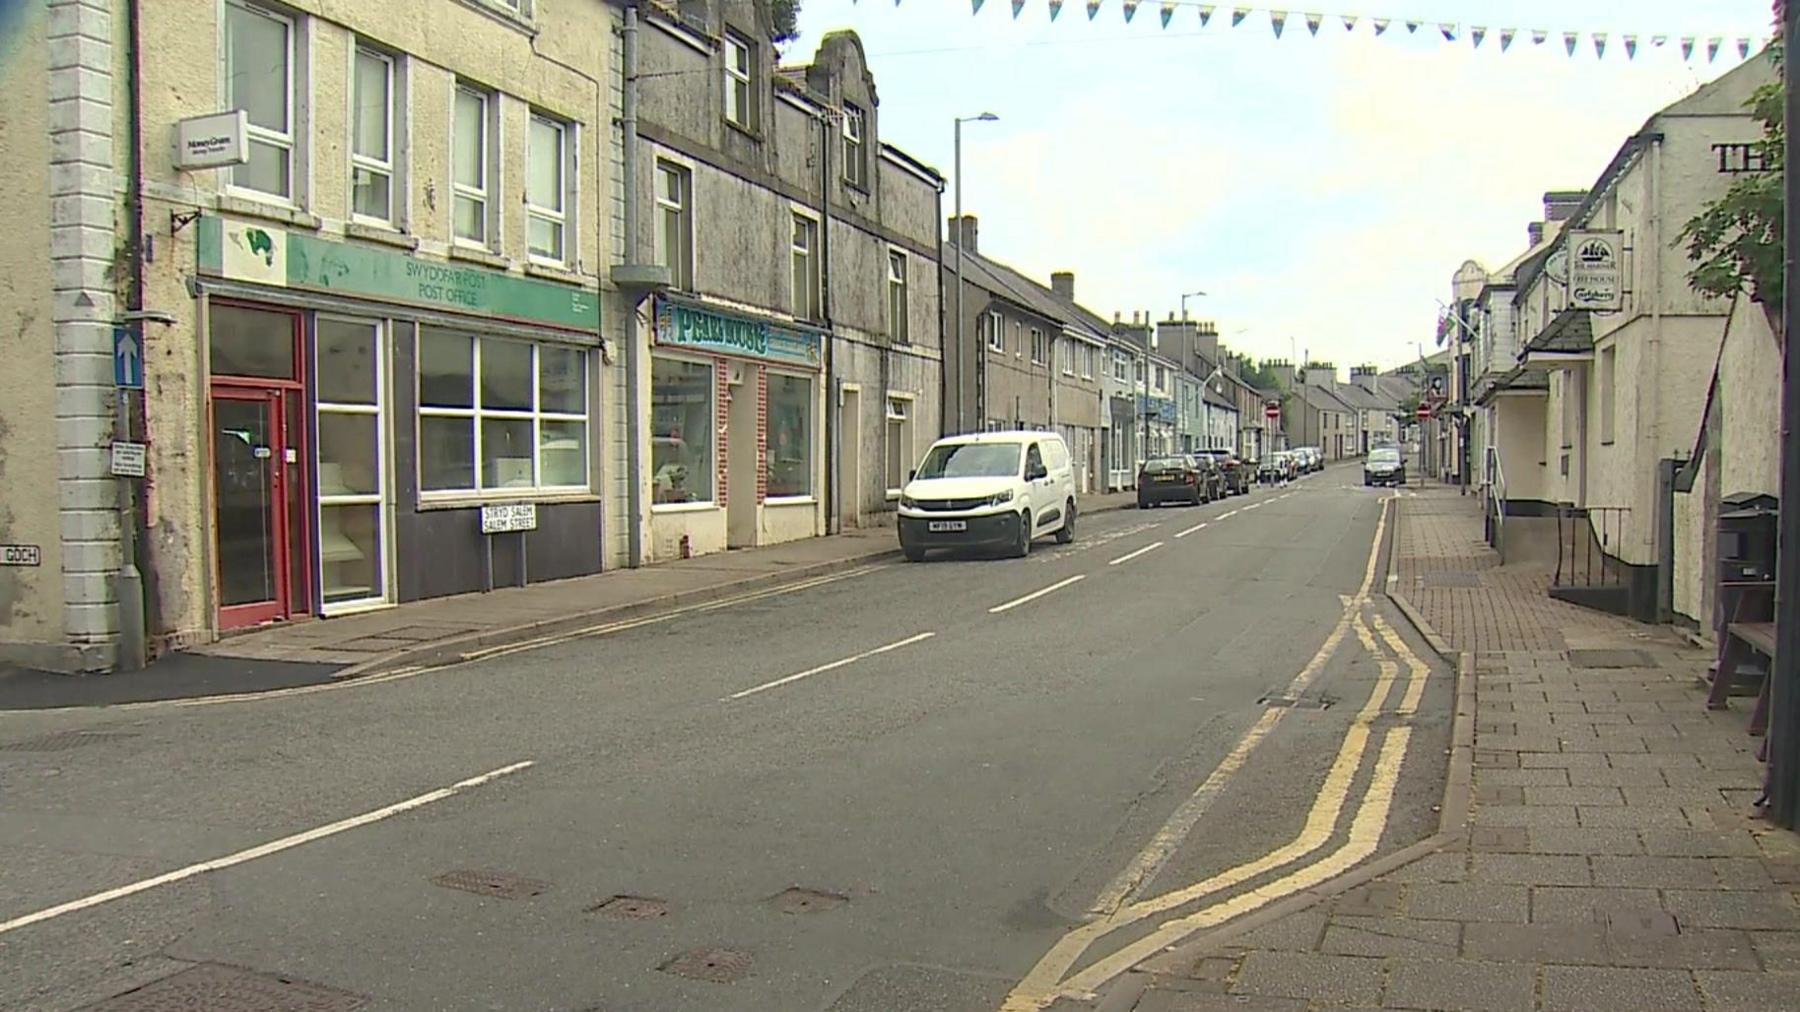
(957,238)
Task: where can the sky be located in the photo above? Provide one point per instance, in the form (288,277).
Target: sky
(1320,190)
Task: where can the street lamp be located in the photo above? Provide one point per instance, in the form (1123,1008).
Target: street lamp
(1186,296)
(986,117)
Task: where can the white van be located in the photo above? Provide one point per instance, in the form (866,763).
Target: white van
(989,490)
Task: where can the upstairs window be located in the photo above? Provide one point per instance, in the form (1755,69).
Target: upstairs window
(471,151)
(372,137)
(547,196)
(806,268)
(856,163)
(259,78)
(740,97)
(674,245)
(898,310)
(996,331)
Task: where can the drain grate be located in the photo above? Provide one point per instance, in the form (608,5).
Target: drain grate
(498,884)
(1610,659)
(63,741)
(721,966)
(219,988)
(806,901)
(631,908)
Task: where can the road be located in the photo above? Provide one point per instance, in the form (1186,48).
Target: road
(995,780)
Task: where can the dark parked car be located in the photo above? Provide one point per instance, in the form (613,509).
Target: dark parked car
(1236,474)
(1384,466)
(1178,478)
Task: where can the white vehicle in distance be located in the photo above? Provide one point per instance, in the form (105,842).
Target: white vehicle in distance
(989,490)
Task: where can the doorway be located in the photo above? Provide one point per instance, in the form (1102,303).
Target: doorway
(849,437)
(744,448)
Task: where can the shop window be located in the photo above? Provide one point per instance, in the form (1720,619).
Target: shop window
(259,78)
(856,159)
(351,464)
(899,442)
(674,240)
(372,137)
(740,96)
(681,435)
(548,195)
(897,302)
(471,147)
(806,268)
(251,342)
(498,414)
(790,436)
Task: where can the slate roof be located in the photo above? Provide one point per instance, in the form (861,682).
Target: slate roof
(1571,332)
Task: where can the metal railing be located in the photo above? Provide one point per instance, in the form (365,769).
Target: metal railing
(1493,488)
(1587,538)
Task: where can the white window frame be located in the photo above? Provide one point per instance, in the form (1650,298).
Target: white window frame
(740,113)
(812,434)
(569,175)
(907,417)
(996,331)
(899,296)
(814,306)
(380,499)
(682,273)
(391,167)
(1087,361)
(1040,351)
(490,169)
(1606,369)
(476,414)
(290,142)
(855,135)
(716,421)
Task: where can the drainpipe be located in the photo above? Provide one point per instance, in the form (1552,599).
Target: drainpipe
(132,652)
(1653,431)
(834,474)
(1784,678)
(634,355)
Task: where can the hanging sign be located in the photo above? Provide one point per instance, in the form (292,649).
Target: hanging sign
(213,142)
(1596,274)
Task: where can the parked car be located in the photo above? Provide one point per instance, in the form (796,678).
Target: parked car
(1311,459)
(1237,477)
(1273,468)
(1384,466)
(989,490)
(1177,477)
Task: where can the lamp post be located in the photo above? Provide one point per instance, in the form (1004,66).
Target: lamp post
(1186,296)
(957,237)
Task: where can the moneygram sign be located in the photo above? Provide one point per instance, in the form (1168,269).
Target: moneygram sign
(1596,271)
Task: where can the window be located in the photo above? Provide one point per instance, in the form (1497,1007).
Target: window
(739,96)
(351,462)
(790,437)
(372,137)
(681,435)
(500,414)
(1609,363)
(1121,367)
(898,321)
(259,78)
(1162,378)
(674,246)
(547,190)
(899,442)
(996,331)
(1040,351)
(856,165)
(1070,351)
(470,147)
(806,268)
(1087,361)
(1018,339)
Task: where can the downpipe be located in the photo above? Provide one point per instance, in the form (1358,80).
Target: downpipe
(634,355)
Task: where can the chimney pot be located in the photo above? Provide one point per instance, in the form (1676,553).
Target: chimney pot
(1063,284)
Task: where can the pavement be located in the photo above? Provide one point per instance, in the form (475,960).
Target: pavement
(951,785)
(1606,858)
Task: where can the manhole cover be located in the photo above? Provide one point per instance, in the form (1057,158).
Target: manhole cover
(631,908)
(721,966)
(500,884)
(806,901)
(62,741)
(1452,578)
(216,988)
(1610,659)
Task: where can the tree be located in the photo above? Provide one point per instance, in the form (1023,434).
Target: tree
(1258,375)
(786,14)
(1736,241)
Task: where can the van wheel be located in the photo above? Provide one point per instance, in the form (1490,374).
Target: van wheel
(1067,533)
(1022,546)
(914,553)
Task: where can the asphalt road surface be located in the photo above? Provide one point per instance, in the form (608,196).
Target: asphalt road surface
(905,787)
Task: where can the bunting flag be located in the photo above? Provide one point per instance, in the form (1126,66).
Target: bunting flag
(1279,20)
(1600,45)
(1569,40)
(1168,11)
(1412,27)
(1349,22)
(1476,34)
(1539,36)
(1631,47)
(1712,48)
(1449,31)
(1018,5)
(1744,49)
(1659,41)
(1506,38)
(1093,8)
(1313,21)
(1130,10)
(976,6)
(1055,8)
(1238,14)
(1381,26)
(1205,14)
(1687,47)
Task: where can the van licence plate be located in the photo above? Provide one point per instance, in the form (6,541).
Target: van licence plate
(943,526)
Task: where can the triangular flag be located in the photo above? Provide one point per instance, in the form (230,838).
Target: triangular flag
(1744,49)
(1413,26)
(1279,20)
(1313,21)
(1476,34)
(1018,5)
(1538,35)
(1055,8)
(1093,8)
(1712,48)
(1569,40)
(1168,11)
(1205,14)
(1449,31)
(1659,41)
(1349,22)
(1238,14)
(1687,47)
(1130,10)
(1381,26)
(1600,45)
(976,5)
(1506,38)
(1631,47)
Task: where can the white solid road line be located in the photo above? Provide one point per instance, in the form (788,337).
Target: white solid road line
(833,666)
(272,847)
(1034,595)
(1147,549)
(1190,530)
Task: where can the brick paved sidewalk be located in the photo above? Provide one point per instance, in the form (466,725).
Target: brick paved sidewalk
(1609,860)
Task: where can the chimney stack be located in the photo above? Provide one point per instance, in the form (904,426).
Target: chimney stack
(1283,371)
(1535,232)
(1560,205)
(967,236)
(1322,374)
(1366,376)
(1063,284)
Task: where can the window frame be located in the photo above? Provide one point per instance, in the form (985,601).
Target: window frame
(568,183)
(290,142)
(996,331)
(804,222)
(855,145)
(899,295)
(812,429)
(391,167)
(1607,370)
(713,421)
(490,174)
(735,78)
(682,270)
(907,419)
(1040,352)
(476,414)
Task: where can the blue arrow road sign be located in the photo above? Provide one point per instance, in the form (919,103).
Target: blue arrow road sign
(128,359)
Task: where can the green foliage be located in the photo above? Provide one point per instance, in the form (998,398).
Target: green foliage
(1736,241)
(1259,375)
(787,19)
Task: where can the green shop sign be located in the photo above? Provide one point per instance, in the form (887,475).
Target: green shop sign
(244,251)
(684,326)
